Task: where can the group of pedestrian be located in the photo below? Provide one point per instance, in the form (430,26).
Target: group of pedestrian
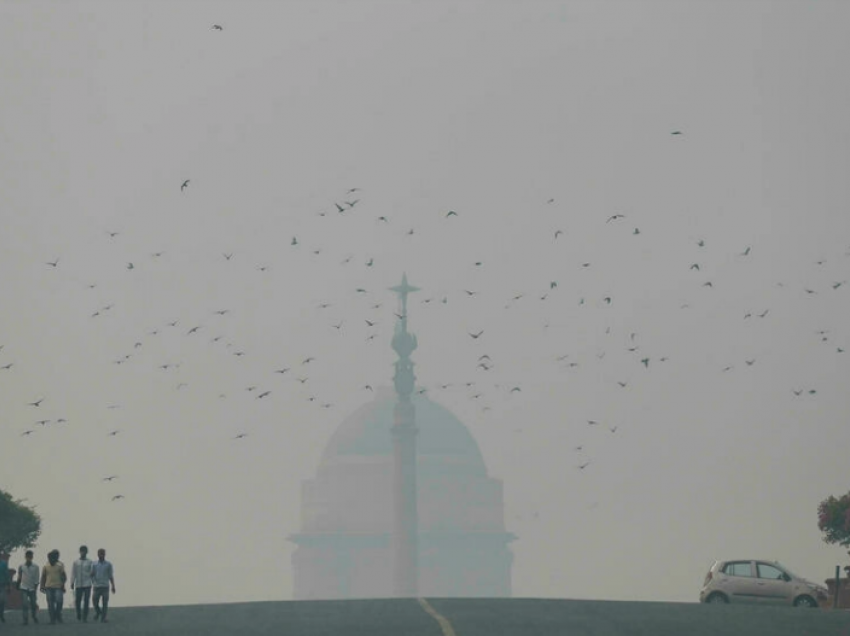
(90,580)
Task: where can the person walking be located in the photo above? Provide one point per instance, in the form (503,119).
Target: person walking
(53,579)
(102,579)
(5,588)
(28,585)
(81,572)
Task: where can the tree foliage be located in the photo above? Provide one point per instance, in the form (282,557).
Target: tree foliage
(20,526)
(834,519)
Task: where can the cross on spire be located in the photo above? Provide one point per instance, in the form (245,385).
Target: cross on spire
(403,290)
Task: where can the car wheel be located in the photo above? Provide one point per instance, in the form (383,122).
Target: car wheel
(805,601)
(717,597)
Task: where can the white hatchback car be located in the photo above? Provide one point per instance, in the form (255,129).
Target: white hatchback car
(752,581)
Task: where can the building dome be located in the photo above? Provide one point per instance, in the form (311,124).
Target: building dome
(345,547)
(366,433)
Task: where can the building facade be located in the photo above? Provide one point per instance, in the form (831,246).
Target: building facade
(344,544)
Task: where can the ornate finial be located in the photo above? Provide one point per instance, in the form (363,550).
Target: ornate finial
(403,290)
(404,343)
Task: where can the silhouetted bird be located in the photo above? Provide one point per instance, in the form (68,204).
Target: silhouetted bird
(218,27)
(185,185)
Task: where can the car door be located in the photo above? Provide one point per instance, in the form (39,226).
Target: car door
(772,584)
(739,582)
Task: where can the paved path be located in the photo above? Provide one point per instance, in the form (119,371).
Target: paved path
(451,617)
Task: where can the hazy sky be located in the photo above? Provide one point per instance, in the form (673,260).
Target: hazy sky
(529,119)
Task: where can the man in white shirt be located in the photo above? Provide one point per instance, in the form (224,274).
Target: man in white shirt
(81,584)
(102,578)
(28,582)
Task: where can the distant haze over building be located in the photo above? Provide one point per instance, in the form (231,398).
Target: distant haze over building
(344,546)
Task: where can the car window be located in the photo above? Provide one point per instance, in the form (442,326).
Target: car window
(738,568)
(769,572)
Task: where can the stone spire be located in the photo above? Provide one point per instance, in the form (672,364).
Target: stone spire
(405,519)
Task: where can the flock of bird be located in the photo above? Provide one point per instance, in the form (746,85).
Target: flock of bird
(211,323)
(298,370)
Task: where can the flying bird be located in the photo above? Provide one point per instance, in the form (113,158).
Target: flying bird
(110,478)
(558,233)
(37,402)
(218,27)
(185,185)
(117,497)
(451,213)
(677,132)
(475,336)
(614,217)
(53,263)
(263,394)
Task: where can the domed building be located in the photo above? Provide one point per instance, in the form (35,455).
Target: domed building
(344,547)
